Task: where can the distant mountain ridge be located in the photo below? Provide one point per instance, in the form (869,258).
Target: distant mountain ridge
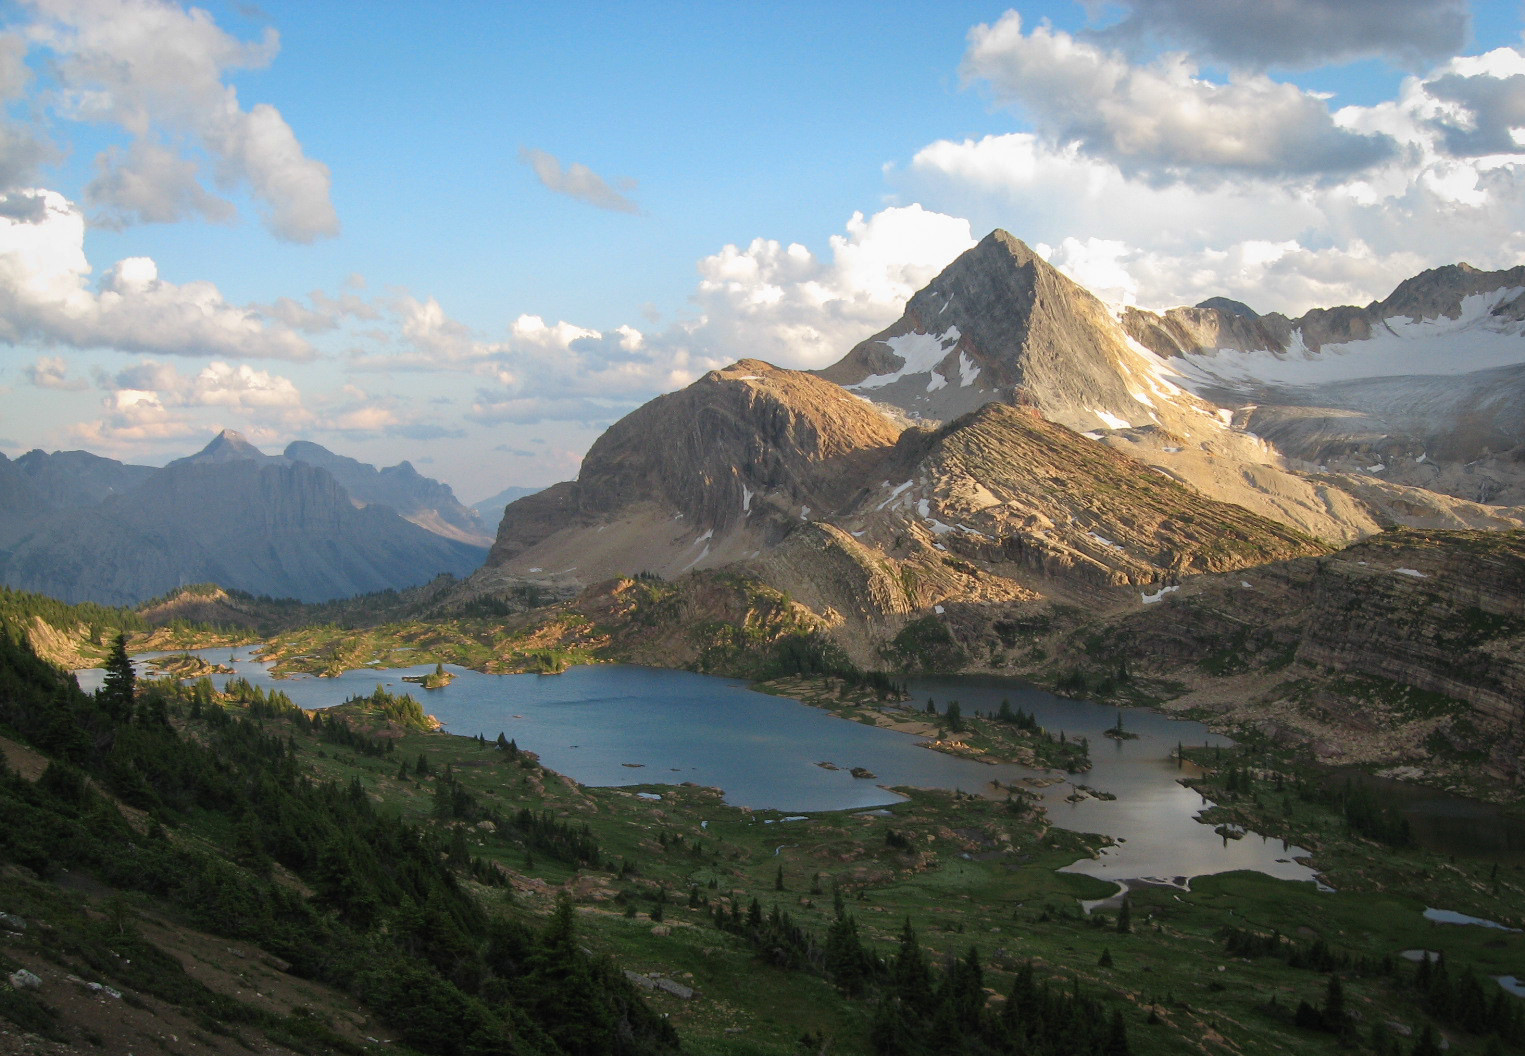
(80,527)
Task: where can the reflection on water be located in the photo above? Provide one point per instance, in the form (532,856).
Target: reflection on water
(1443,823)
(1153,816)
(620,725)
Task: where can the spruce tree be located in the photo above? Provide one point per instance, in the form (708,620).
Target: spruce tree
(118,687)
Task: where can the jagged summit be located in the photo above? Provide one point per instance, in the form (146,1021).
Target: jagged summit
(1000,324)
(1442,293)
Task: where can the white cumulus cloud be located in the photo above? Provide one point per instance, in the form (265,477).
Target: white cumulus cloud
(52,372)
(46,296)
(158,72)
(1452,188)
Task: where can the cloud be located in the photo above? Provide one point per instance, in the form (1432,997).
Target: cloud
(132,417)
(45,296)
(1453,188)
(426,431)
(1162,121)
(576,181)
(1479,104)
(1268,276)
(1257,34)
(150,184)
(781,303)
(157,71)
(21,152)
(493,408)
(785,305)
(27,207)
(218,384)
(51,372)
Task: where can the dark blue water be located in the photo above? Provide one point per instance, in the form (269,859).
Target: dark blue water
(621,725)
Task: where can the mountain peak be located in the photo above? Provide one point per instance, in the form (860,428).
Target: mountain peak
(1000,324)
(226,446)
(1020,251)
(1440,291)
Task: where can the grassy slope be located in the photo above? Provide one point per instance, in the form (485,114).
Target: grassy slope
(1005,899)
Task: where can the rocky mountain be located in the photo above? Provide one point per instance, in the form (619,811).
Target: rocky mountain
(1193,392)
(865,518)
(1027,473)
(82,528)
(424,501)
(1423,389)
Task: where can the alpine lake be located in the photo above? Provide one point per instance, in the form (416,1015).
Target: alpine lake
(614,725)
(708,787)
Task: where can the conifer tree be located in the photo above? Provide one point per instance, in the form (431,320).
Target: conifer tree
(118,687)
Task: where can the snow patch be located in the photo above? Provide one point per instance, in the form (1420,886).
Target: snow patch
(1104,541)
(1091,436)
(919,354)
(937,609)
(1112,421)
(1412,572)
(1150,599)
(899,490)
(1475,340)
(804,513)
(967,371)
(746,499)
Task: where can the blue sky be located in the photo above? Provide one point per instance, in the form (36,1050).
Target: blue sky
(474,234)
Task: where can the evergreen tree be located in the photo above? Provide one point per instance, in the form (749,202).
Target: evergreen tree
(955,717)
(119,686)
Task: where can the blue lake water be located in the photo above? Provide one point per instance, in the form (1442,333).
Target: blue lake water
(622,725)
